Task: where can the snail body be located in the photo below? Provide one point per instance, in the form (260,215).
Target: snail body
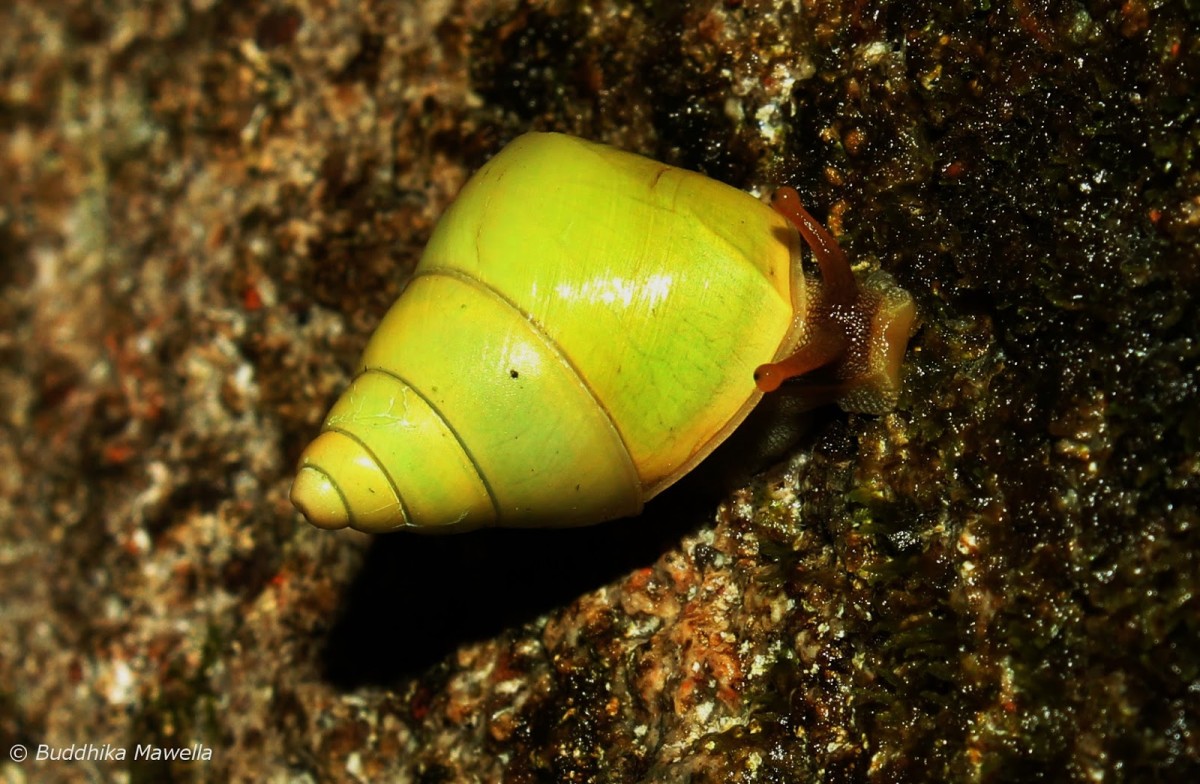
(584,327)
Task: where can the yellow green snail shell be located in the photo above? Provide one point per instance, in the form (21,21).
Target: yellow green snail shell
(582,329)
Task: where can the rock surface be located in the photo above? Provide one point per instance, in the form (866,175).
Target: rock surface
(206,206)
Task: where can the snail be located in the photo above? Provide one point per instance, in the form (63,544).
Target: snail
(584,327)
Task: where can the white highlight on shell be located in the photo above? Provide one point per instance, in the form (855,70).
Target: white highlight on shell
(651,290)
